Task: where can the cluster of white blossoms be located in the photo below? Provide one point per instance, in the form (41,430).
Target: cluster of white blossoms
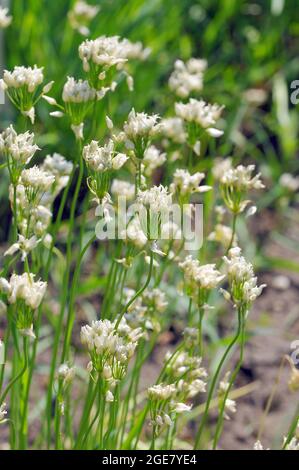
(57,166)
(186,368)
(146,310)
(187,77)
(81,15)
(153,158)
(66,373)
(110,347)
(153,208)
(3,412)
(203,114)
(138,131)
(37,181)
(243,282)
(199,279)
(289,182)
(122,188)
(5,19)
(234,185)
(101,159)
(23,87)
(18,150)
(32,193)
(77,91)
(103,57)
(172,129)
(230,405)
(184,184)
(24,288)
(24,245)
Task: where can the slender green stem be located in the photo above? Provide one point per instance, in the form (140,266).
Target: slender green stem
(213,385)
(20,374)
(232,380)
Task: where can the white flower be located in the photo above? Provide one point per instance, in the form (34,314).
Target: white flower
(57,165)
(181,407)
(19,147)
(187,77)
(184,183)
(205,276)
(153,158)
(37,179)
(110,346)
(25,288)
(109,396)
(80,16)
(204,114)
(173,129)
(241,277)
(241,179)
(106,52)
(258,446)
(29,77)
(161,392)
(23,245)
(289,182)
(221,166)
(157,199)
(66,373)
(140,125)
(122,188)
(77,91)
(101,159)
(293,444)
(5,19)
(3,412)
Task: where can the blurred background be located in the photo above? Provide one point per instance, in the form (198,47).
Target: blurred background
(252,53)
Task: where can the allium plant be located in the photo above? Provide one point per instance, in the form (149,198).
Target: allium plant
(152,162)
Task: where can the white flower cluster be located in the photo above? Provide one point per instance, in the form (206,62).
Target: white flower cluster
(243,282)
(19,148)
(23,245)
(185,184)
(153,159)
(241,179)
(157,198)
(5,19)
(36,190)
(138,131)
(77,91)
(234,185)
(201,113)
(66,373)
(199,277)
(289,182)
(80,16)
(145,311)
(3,412)
(230,405)
(24,288)
(173,129)
(37,180)
(22,85)
(189,373)
(101,159)
(30,77)
(109,51)
(110,348)
(122,188)
(187,77)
